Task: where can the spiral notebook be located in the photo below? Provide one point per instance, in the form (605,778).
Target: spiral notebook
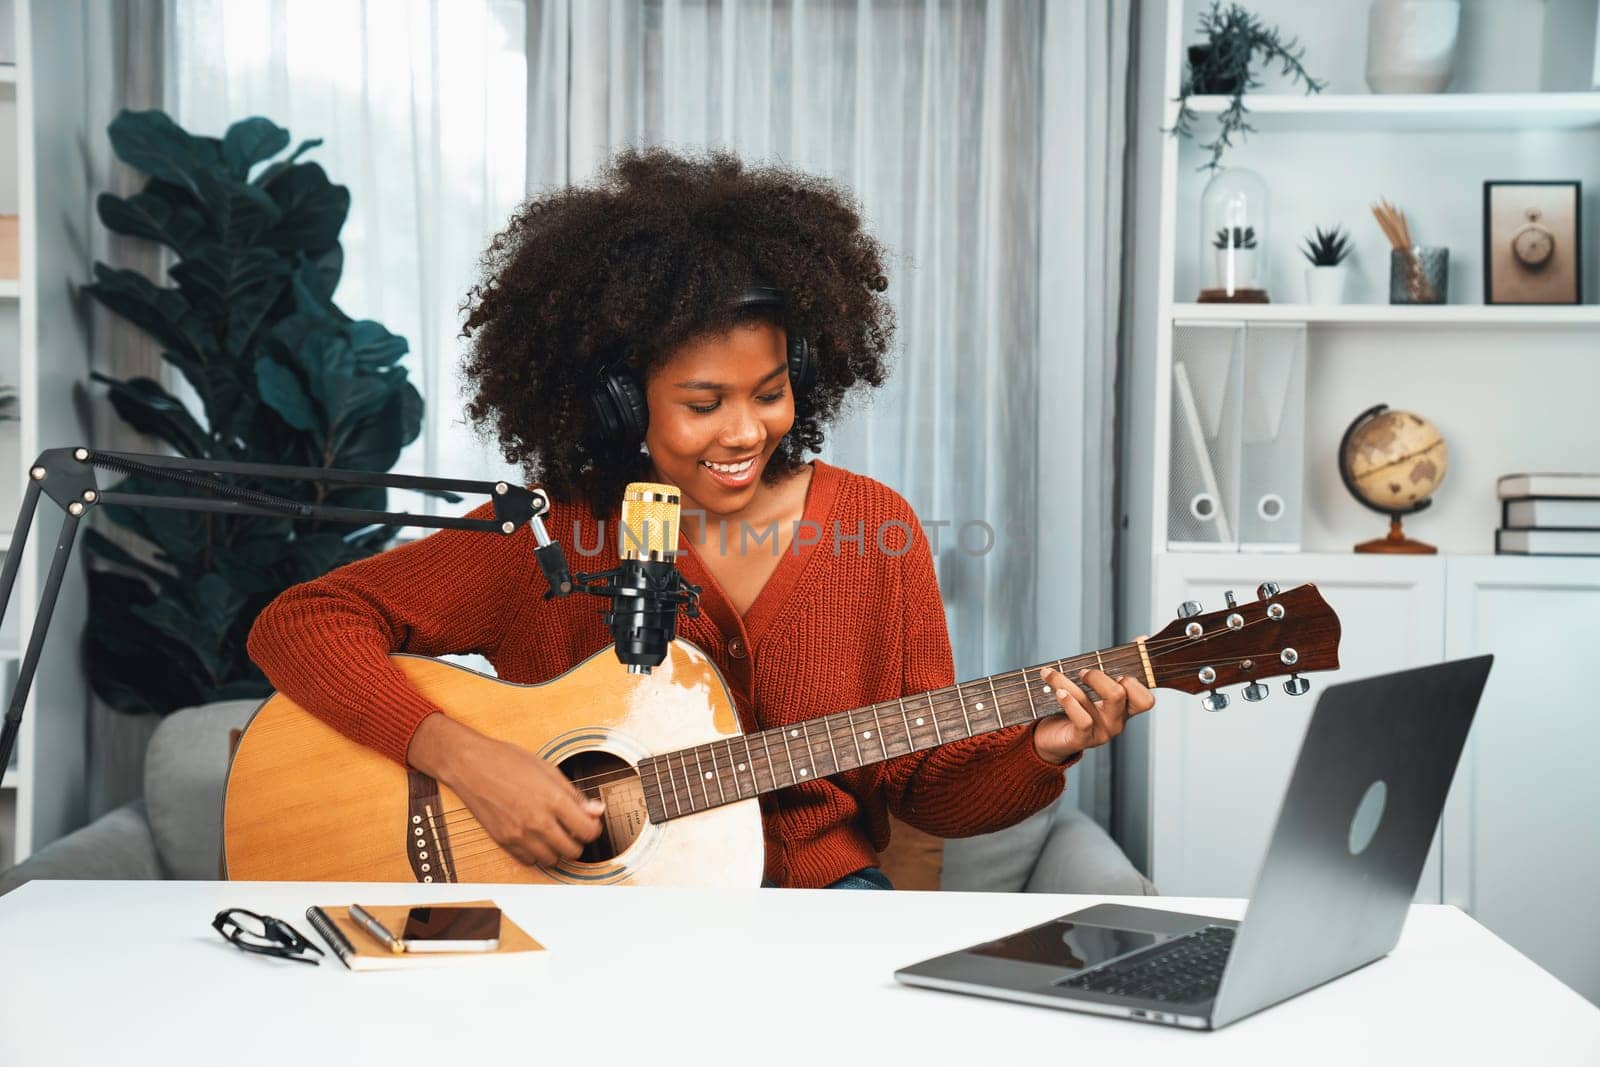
(361,951)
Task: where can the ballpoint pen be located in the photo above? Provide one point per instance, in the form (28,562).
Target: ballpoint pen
(376,928)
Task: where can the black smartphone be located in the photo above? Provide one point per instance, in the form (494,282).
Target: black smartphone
(451,928)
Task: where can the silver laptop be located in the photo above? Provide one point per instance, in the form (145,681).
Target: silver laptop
(1339,874)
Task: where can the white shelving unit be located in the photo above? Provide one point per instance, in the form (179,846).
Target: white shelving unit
(1510,387)
(1447,112)
(44,346)
(1433,316)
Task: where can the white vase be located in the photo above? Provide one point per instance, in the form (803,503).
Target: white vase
(1325,285)
(1411,45)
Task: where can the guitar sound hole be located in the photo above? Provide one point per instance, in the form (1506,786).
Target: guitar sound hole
(602,775)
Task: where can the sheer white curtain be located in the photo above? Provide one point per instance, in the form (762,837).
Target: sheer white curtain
(984,141)
(421,105)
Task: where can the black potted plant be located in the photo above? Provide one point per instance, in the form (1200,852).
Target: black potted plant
(282,376)
(1237,43)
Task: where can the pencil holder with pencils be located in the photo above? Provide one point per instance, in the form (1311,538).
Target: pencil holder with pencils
(1419,275)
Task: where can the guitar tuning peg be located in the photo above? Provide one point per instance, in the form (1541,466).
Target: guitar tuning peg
(1214,700)
(1255,691)
(1268,590)
(1296,686)
(1188,609)
(1229,597)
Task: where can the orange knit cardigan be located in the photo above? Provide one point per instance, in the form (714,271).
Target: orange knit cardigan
(843,622)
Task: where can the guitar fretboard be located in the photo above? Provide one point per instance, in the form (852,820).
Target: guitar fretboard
(748,765)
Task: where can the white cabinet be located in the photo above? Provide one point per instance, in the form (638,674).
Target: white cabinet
(1216,778)
(1522,827)
(1521,831)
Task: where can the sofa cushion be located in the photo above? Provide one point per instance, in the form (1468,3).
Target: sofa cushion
(999,862)
(116,845)
(185,774)
(1080,857)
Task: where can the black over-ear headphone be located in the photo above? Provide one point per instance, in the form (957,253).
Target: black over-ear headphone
(618,397)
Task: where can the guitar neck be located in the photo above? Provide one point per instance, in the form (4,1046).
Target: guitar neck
(748,765)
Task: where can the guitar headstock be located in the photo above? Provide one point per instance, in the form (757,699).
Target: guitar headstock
(1280,633)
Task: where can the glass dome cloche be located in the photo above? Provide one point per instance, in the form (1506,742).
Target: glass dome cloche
(1234,238)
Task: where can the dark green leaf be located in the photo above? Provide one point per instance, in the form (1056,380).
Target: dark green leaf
(322,273)
(271,172)
(249,314)
(132,666)
(314,209)
(178,621)
(164,314)
(215,277)
(281,391)
(156,145)
(153,218)
(347,395)
(249,141)
(240,213)
(407,413)
(150,409)
(178,536)
(373,345)
(377,444)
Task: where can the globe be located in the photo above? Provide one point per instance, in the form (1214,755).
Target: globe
(1393,461)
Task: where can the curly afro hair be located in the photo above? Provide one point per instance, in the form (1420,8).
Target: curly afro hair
(653,254)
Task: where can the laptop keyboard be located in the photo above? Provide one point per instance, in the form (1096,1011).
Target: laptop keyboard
(1182,971)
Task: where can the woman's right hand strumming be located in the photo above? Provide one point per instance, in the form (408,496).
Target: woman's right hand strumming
(525,802)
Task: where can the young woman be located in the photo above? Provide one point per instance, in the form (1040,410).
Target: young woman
(613,338)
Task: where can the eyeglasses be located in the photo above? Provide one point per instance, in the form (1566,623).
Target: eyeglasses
(265,935)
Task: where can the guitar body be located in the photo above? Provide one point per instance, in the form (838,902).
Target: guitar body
(305,803)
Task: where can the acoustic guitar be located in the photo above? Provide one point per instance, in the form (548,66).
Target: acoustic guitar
(666,754)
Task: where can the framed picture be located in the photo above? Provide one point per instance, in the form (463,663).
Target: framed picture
(1531,252)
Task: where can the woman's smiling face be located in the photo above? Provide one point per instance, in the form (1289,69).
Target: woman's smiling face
(719,406)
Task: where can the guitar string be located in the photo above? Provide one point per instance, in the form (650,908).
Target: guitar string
(946,706)
(1152,648)
(1010,685)
(467,834)
(957,700)
(475,835)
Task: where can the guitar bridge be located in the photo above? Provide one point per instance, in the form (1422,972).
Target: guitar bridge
(427,838)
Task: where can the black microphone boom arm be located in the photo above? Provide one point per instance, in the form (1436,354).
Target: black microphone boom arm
(67,477)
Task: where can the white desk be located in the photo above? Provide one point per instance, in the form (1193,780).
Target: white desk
(131,973)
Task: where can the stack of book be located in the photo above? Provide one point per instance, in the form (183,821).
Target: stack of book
(1549,515)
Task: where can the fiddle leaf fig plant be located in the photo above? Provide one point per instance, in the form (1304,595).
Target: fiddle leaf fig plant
(279,374)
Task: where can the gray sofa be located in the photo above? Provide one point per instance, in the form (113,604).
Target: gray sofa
(175,830)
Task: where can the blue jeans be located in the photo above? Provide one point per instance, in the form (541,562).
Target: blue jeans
(865,878)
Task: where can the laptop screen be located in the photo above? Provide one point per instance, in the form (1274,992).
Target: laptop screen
(1070,945)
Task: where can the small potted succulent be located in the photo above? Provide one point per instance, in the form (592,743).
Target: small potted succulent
(1326,251)
(1236,258)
